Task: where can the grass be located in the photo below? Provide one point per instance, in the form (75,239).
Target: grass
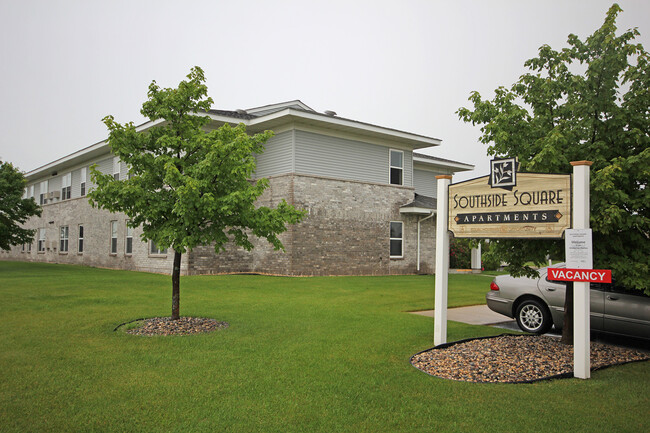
(301,354)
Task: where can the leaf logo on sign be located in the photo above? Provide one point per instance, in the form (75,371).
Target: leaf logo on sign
(504,173)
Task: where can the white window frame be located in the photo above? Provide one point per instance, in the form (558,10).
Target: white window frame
(113,243)
(116,168)
(128,237)
(64,238)
(391,167)
(80,239)
(158,251)
(41,240)
(66,182)
(82,182)
(43,191)
(401,239)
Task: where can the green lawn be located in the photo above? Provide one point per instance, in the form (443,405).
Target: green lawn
(301,354)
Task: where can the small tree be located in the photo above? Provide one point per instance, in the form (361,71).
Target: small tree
(188,187)
(587,101)
(14,209)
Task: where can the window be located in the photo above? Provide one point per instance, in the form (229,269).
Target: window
(41,240)
(29,248)
(396,167)
(128,245)
(116,168)
(23,250)
(396,239)
(31,191)
(63,239)
(113,237)
(155,250)
(83,182)
(80,245)
(43,193)
(66,181)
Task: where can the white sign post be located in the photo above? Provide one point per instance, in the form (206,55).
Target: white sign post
(576,247)
(442,261)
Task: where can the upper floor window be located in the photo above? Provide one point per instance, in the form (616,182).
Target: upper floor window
(396,239)
(396,167)
(43,192)
(66,181)
(116,168)
(83,182)
(63,239)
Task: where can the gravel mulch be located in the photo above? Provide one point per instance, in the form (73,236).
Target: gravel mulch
(515,358)
(182,326)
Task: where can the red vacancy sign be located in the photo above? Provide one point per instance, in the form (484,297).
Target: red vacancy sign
(587,275)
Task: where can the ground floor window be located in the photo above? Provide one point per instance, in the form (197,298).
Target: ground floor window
(113,237)
(41,240)
(128,245)
(155,250)
(396,239)
(80,246)
(63,239)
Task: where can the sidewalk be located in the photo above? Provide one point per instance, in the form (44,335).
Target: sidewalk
(474,315)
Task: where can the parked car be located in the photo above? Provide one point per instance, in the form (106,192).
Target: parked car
(538,304)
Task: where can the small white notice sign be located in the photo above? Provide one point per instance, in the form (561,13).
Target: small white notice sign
(578,249)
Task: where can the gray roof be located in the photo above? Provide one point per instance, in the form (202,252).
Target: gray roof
(435,158)
(422,201)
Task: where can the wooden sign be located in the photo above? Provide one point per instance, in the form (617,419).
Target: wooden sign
(532,205)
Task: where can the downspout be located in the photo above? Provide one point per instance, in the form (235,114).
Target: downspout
(419,221)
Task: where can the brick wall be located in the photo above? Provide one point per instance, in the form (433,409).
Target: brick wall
(97,240)
(346,232)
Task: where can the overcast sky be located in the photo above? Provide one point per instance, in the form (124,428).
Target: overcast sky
(403,64)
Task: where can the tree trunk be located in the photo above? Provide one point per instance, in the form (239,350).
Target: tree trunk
(567,329)
(176,286)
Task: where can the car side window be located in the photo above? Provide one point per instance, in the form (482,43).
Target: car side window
(614,288)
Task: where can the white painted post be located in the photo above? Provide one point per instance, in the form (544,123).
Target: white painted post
(475,257)
(581,307)
(442,261)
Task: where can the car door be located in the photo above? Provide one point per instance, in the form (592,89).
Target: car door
(554,292)
(627,312)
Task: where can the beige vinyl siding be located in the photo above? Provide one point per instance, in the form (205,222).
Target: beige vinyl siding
(341,158)
(277,157)
(425,181)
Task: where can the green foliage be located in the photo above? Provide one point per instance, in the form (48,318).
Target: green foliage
(585,102)
(188,187)
(460,253)
(490,258)
(14,209)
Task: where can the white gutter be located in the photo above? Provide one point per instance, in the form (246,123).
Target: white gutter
(419,221)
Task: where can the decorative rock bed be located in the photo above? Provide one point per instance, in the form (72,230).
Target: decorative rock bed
(515,359)
(182,326)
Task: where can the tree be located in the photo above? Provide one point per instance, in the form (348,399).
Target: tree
(588,101)
(14,209)
(188,187)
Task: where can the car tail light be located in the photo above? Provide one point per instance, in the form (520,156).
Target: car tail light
(494,286)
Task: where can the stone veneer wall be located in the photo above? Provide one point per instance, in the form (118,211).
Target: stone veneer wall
(346,232)
(97,238)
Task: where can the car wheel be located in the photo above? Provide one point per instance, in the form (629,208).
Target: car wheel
(533,316)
